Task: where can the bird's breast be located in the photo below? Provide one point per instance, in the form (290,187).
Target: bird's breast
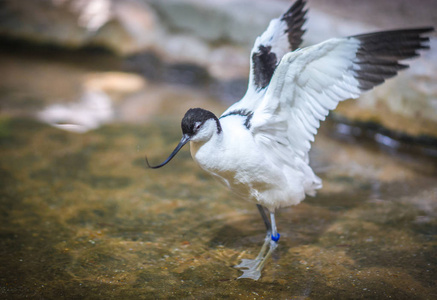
(206,155)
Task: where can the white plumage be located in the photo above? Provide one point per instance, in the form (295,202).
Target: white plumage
(259,146)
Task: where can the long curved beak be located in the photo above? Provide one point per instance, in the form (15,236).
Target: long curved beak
(185,139)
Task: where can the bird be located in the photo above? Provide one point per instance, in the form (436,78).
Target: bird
(259,146)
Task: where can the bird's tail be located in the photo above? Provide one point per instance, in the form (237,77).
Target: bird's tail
(312,181)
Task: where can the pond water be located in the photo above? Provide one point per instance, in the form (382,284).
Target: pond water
(82,217)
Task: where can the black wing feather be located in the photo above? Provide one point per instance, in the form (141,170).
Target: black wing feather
(379,54)
(295,18)
(265,60)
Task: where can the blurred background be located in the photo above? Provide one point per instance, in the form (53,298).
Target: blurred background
(88,87)
(108,50)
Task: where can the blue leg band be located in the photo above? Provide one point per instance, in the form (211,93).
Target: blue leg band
(276,238)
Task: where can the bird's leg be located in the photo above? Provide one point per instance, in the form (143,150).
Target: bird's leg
(273,242)
(268,234)
(252,267)
(251,263)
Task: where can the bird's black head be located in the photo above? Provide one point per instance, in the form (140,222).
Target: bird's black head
(197,125)
(195,118)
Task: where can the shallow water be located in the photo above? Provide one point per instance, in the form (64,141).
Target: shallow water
(82,217)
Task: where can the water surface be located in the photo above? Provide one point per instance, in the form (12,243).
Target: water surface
(82,217)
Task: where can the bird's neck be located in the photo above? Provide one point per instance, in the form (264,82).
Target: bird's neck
(211,145)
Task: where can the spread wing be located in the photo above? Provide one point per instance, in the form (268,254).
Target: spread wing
(283,35)
(310,82)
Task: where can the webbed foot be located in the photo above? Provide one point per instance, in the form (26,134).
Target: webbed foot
(252,267)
